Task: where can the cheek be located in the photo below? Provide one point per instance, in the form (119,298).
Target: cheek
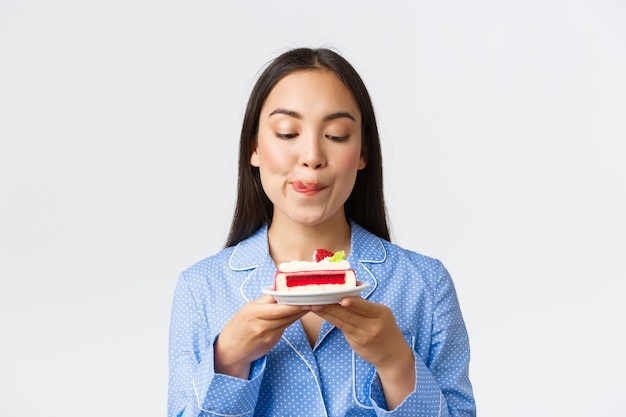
(270,158)
(350,161)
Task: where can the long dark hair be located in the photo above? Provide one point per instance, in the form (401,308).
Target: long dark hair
(366,203)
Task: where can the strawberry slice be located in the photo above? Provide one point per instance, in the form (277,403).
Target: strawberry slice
(320,254)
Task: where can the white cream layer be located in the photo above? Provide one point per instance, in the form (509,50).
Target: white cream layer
(324,265)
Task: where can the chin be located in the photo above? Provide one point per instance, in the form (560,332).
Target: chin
(311,216)
(308,219)
(314,219)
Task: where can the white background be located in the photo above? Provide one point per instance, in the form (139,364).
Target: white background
(501,125)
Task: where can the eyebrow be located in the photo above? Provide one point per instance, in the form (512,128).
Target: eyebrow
(296,115)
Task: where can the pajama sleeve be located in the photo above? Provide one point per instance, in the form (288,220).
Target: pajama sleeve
(195,389)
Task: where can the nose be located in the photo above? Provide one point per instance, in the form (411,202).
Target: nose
(312,153)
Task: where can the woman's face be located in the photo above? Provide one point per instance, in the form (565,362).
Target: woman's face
(308,148)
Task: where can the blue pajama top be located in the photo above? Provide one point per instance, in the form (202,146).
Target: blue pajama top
(329,379)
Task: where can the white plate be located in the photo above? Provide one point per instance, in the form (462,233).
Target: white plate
(310,298)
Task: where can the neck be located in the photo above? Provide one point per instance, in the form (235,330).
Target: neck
(289,241)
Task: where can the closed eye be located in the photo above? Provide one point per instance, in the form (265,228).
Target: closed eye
(337,138)
(286,135)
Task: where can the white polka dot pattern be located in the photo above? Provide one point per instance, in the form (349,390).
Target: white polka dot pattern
(330,379)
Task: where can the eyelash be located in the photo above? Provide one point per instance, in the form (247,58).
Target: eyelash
(294,135)
(286,135)
(337,138)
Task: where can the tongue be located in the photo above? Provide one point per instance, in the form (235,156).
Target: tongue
(301,186)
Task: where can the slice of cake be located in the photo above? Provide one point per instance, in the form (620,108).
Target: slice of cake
(327,271)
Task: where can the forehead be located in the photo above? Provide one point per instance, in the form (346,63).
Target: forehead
(311,91)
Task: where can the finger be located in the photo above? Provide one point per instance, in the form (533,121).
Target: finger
(352,308)
(362,307)
(257,327)
(280,316)
(353,312)
(340,317)
(284,308)
(265,299)
(270,304)
(265,314)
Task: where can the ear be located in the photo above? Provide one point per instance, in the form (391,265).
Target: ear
(254,158)
(362,162)
(363,158)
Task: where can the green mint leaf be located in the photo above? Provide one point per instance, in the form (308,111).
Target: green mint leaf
(338,256)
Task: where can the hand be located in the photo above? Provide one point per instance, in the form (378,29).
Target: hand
(251,333)
(372,331)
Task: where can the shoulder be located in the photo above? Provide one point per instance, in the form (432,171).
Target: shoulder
(243,256)
(211,261)
(411,259)
(373,249)
(214,264)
